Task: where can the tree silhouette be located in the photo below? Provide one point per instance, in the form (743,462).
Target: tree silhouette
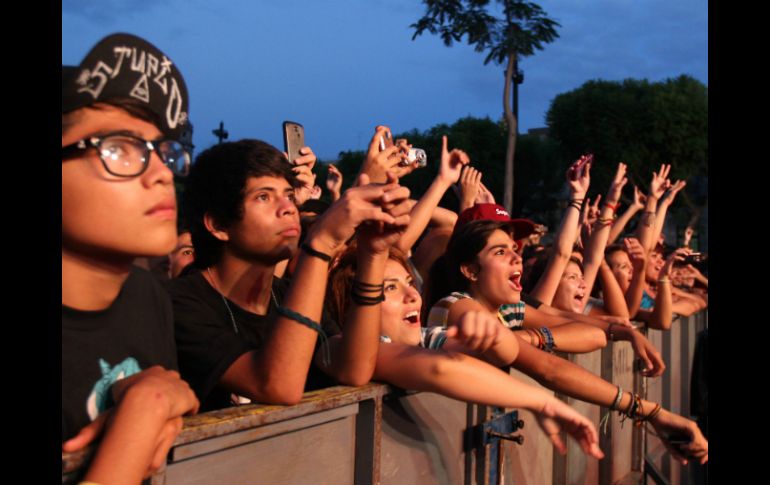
(522,28)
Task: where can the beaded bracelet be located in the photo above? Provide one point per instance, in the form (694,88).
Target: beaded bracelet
(538,338)
(312,252)
(299,318)
(548,336)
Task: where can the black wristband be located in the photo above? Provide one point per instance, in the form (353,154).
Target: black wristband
(312,252)
(362,300)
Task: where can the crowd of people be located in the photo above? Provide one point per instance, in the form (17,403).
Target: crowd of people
(268,292)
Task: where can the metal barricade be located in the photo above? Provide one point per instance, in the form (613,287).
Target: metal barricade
(377,434)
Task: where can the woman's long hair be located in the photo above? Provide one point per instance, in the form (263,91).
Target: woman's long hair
(464,247)
(341,280)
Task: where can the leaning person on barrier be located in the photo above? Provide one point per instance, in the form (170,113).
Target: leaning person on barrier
(243,334)
(123,110)
(425,359)
(480,283)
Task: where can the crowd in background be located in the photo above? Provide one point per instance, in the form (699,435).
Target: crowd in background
(273,286)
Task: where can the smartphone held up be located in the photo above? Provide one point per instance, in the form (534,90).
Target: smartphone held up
(293,140)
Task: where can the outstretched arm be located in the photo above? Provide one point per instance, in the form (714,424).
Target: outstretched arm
(567,378)
(616,329)
(465,378)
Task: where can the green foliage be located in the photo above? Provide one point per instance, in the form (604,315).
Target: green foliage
(522,28)
(637,122)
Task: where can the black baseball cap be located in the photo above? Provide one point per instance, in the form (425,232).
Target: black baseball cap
(126,66)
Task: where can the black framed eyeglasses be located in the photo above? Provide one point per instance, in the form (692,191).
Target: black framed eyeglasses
(126,155)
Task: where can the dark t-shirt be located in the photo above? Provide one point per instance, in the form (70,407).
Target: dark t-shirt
(208,344)
(100,347)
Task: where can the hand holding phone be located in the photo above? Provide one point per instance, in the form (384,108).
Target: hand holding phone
(386,140)
(574,170)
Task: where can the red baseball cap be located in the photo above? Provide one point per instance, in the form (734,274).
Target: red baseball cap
(522,228)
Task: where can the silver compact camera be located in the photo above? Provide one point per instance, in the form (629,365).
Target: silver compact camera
(416,156)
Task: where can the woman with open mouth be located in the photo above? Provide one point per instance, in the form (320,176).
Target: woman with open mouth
(480,283)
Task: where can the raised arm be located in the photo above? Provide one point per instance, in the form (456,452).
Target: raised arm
(277,372)
(614,298)
(377,162)
(593,256)
(578,181)
(661,315)
(353,355)
(638,257)
(663,205)
(449,172)
(470,182)
(334,182)
(622,221)
(303,169)
(646,229)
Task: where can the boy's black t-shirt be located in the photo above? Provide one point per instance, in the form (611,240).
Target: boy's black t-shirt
(207,343)
(99,347)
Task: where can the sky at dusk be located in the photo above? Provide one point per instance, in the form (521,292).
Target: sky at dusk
(340,67)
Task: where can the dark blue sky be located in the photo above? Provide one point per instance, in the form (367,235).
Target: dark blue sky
(340,67)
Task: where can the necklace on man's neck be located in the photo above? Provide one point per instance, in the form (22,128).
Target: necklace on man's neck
(232,317)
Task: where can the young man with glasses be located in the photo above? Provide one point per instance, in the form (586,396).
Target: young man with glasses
(123,110)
